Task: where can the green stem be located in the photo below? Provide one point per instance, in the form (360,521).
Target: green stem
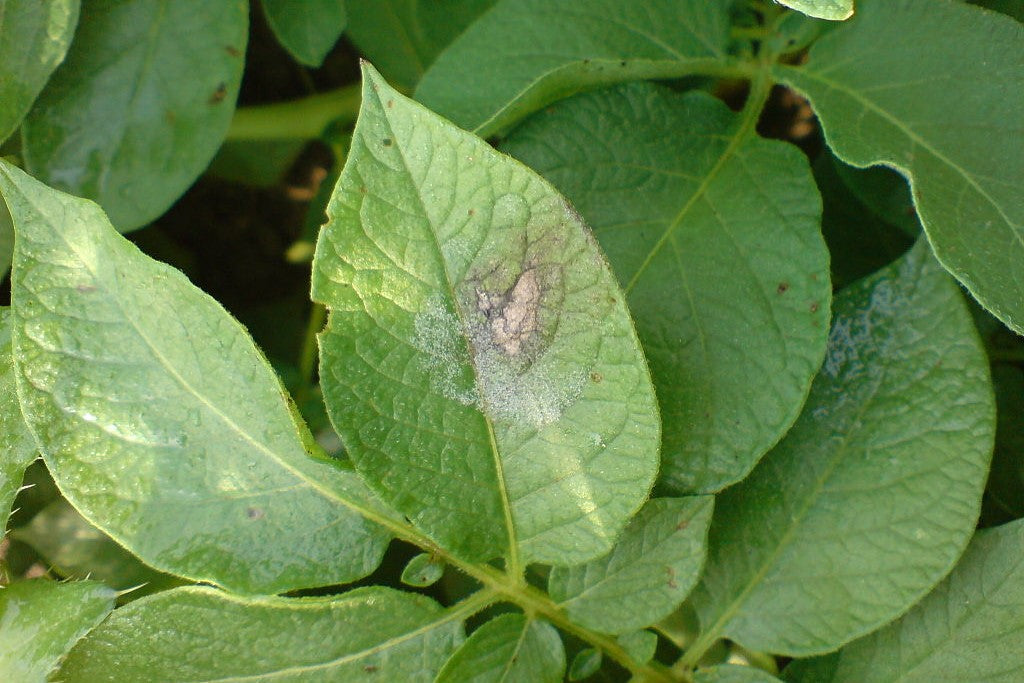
(298,119)
(308,354)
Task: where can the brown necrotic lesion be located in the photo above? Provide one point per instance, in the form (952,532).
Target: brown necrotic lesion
(512,316)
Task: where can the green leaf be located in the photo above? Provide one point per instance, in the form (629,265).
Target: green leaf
(834,10)
(646,575)
(585,664)
(872,496)
(6,240)
(201,634)
(733,673)
(40,620)
(77,549)
(508,649)
(307,30)
(34,36)
(158,417)
(140,105)
(715,235)
(403,37)
(941,104)
(479,362)
(422,571)
(967,629)
(17,449)
(641,645)
(518,57)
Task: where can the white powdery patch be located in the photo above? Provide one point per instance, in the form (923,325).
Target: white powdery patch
(514,383)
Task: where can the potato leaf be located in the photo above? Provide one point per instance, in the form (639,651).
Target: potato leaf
(510,648)
(17,448)
(160,420)
(308,31)
(714,234)
(140,105)
(646,575)
(967,629)
(202,634)
(524,54)
(935,90)
(34,36)
(40,620)
(479,361)
(872,496)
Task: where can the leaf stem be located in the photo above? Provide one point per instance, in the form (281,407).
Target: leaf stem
(301,119)
(308,353)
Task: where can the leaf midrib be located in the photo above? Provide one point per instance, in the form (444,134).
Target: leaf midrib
(506,503)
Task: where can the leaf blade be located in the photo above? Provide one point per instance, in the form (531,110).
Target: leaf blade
(198,633)
(133,133)
(787,561)
(17,447)
(40,620)
(453,321)
(191,459)
(895,108)
(309,32)
(508,649)
(34,36)
(647,574)
(715,235)
(833,10)
(494,73)
(966,629)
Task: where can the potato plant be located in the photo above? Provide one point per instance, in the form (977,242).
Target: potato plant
(673,340)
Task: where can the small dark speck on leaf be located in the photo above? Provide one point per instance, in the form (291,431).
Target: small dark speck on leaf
(682,525)
(362,189)
(386,142)
(232,50)
(814,307)
(471,212)
(596,377)
(391,103)
(171,117)
(671,577)
(85,289)
(370,668)
(586,61)
(783,287)
(219,94)
(622,63)
(254,513)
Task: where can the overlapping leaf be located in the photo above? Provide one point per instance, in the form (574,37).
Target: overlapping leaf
(403,37)
(871,497)
(510,648)
(714,234)
(524,54)
(73,548)
(941,103)
(158,417)
(308,31)
(201,634)
(17,449)
(140,105)
(646,576)
(34,36)
(835,10)
(479,361)
(967,629)
(40,620)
